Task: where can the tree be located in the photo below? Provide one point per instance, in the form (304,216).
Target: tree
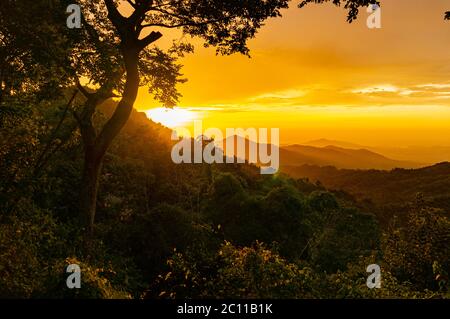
(34,51)
(123,61)
(30,51)
(232,272)
(112,52)
(418,251)
(353,6)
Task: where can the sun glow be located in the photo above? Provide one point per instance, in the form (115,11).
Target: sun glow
(172,118)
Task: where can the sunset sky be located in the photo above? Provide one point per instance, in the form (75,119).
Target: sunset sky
(313,75)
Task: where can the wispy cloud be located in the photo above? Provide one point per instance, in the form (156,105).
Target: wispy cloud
(422,92)
(382,88)
(434,86)
(280,95)
(222,108)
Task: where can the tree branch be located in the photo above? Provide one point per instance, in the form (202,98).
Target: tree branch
(115,17)
(82,89)
(173,26)
(141,9)
(40,162)
(152,37)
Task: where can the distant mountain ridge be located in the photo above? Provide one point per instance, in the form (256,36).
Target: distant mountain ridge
(329,155)
(295,155)
(428,154)
(323,142)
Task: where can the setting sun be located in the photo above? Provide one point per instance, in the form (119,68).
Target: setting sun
(172,118)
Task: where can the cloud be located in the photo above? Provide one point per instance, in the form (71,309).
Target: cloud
(382,88)
(222,108)
(434,86)
(280,95)
(420,92)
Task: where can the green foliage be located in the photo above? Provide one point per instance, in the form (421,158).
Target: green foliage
(95,282)
(351,284)
(150,238)
(278,216)
(31,239)
(35,49)
(322,202)
(346,235)
(21,264)
(19,139)
(249,272)
(419,251)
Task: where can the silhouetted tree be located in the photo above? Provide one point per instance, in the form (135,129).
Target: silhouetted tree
(353,6)
(226,25)
(112,52)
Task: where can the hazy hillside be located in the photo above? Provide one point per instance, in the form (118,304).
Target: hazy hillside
(323,142)
(339,157)
(424,154)
(384,187)
(421,154)
(296,155)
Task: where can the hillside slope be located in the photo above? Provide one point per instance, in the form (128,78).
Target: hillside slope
(339,157)
(384,187)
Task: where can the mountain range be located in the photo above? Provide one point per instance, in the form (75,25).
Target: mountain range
(426,154)
(341,155)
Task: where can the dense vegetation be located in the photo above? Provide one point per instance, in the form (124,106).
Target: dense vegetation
(174,231)
(385,193)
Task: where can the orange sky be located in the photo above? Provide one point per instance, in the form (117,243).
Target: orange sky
(313,75)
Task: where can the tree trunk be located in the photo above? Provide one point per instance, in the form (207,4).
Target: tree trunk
(90,182)
(97,146)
